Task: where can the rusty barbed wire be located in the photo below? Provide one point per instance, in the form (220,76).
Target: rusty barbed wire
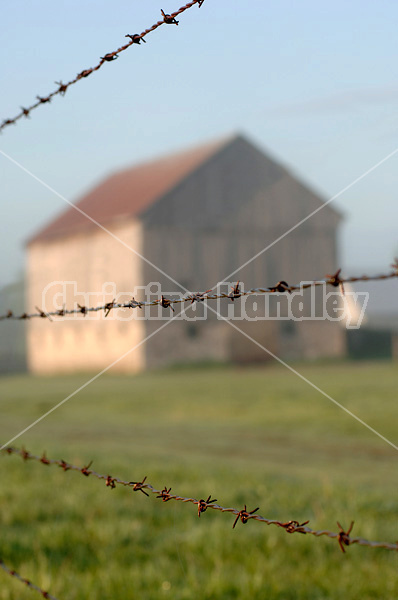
(292,526)
(135,38)
(27,582)
(334,280)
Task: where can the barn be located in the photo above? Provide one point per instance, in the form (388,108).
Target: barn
(190,219)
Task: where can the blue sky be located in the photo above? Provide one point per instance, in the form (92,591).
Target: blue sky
(315,84)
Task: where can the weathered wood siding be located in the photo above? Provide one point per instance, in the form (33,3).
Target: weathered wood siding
(234,206)
(229,210)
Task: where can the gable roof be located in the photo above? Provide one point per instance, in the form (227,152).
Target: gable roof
(129,192)
(133,191)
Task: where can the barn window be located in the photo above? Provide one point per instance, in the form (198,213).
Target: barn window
(192,330)
(287,328)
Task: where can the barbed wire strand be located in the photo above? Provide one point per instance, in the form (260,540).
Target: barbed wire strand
(334,280)
(169,19)
(27,582)
(292,526)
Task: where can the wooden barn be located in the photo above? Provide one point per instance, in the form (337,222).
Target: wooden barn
(196,216)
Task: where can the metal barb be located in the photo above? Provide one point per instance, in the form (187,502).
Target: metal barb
(169,19)
(64,465)
(108,307)
(44,460)
(294,526)
(244,516)
(198,297)
(133,304)
(82,74)
(110,482)
(82,309)
(85,470)
(235,293)
(165,303)
(44,100)
(136,38)
(109,57)
(203,504)
(165,494)
(62,87)
(334,280)
(291,526)
(25,581)
(344,536)
(43,314)
(138,486)
(281,287)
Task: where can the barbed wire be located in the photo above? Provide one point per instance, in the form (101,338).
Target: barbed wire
(334,280)
(169,19)
(27,582)
(244,515)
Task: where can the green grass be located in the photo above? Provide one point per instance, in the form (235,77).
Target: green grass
(259,436)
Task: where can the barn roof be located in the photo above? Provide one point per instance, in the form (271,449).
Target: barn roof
(129,192)
(132,191)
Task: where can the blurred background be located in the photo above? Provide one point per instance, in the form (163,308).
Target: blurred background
(311,88)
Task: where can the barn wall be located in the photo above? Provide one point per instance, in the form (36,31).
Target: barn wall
(186,342)
(232,207)
(226,212)
(83,343)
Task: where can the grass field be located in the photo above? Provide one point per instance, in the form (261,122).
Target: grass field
(259,436)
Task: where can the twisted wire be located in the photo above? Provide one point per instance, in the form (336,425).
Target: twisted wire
(291,526)
(334,280)
(25,581)
(109,57)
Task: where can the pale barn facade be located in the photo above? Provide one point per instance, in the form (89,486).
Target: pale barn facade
(195,216)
